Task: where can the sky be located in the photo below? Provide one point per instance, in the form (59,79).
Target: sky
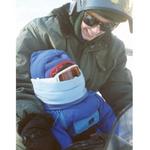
(26,10)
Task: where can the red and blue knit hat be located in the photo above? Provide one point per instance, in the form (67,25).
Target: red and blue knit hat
(47,63)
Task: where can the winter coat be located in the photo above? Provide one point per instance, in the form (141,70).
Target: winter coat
(102,61)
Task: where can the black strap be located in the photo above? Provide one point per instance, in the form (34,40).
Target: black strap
(63,18)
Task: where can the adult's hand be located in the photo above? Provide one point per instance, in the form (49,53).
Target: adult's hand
(35,130)
(97,141)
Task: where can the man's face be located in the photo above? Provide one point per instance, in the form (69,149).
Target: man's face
(92,25)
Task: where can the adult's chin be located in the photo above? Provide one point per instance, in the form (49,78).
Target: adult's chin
(86,36)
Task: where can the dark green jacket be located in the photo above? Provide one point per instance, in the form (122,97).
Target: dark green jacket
(103,63)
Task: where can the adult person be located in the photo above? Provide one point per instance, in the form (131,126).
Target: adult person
(83,30)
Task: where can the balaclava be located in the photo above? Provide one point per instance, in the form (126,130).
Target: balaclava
(44,65)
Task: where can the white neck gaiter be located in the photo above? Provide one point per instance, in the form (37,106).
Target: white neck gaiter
(56,93)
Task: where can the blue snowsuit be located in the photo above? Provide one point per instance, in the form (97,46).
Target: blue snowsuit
(88,110)
(73,120)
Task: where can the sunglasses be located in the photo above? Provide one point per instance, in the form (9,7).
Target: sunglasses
(68,73)
(93,21)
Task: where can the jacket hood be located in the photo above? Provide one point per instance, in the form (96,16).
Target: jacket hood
(46,88)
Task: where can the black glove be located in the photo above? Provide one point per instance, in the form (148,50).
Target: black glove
(95,142)
(36,134)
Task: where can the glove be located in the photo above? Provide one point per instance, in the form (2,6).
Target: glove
(95,142)
(35,132)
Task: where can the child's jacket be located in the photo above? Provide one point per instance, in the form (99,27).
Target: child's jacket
(70,121)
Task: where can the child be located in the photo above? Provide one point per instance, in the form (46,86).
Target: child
(60,85)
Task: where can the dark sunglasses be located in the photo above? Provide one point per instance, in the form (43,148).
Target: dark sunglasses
(92,21)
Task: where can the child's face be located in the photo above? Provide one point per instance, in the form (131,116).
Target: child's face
(68,73)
